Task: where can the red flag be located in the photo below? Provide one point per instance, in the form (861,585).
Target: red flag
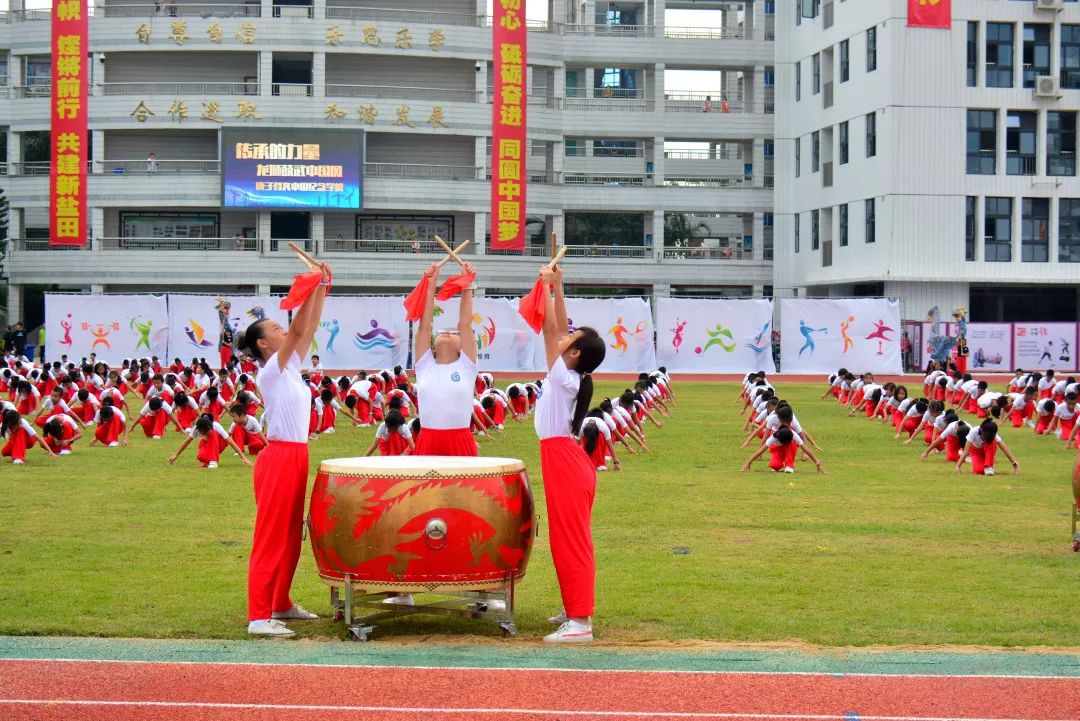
(509,143)
(69,113)
(533,307)
(302,288)
(414,302)
(455,285)
(930,14)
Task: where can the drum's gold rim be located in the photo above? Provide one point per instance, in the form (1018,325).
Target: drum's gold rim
(430,470)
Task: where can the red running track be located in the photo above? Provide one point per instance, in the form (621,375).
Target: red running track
(121,691)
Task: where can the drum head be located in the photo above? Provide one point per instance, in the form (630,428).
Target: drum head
(420,466)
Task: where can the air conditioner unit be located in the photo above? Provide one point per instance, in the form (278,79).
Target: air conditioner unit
(1049,5)
(1047,86)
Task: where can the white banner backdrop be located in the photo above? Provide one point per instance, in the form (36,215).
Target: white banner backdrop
(362,333)
(860,334)
(503,341)
(114,327)
(989,347)
(626,326)
(1039,346)
(195,325)
(714,336)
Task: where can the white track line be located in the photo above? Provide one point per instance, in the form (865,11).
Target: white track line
(476,711)
(527,669)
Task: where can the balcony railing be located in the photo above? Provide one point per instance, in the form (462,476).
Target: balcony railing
(163,167)
(702,253)
(32,168)
(735,153)
(236,245)
(533,26)
(1017,164)
(18,16)
(607,251)
(1061,164)
(37,90)
(174,89)
(39,244)
(611,180)
(417,170)
(709,181)
(294,11)
(379,92)
(292,90)
(691,33)
(614,31)
(621,105)
(186,10)
(350,245)
(424,17)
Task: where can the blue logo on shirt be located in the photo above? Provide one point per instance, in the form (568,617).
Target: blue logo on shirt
(455,376)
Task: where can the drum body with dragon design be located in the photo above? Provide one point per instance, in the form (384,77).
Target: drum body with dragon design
(421,523)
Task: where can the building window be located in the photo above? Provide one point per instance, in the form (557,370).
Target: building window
(982,142)
(769,149)
(1069,230)
(871,222)
(815,151)
(816,67)
(1070,56)
(871,135)
(766,220)
(1036,53)
(972,54)
(798,219)
(770,7)
(997,243)
(798,81)
(815,229)
(1020,131)
(871,50)
(810,8)
(999,55)
(843,225)
(798,157)
(769,77)
(1035,230)
(969,230)
(845,60)
(844,143)
(1061,143)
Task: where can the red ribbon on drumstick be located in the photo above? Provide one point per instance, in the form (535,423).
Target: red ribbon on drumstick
(414,302)
(304,284)
(533,307)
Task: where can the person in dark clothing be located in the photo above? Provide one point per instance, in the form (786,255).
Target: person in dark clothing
(18,339)
(9,338)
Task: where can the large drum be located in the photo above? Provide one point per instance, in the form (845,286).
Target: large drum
(421,523)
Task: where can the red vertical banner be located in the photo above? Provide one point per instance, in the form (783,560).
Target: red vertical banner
(509,148)
(929,14)
(68,137)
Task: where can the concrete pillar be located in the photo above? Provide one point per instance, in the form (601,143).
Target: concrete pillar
(1017,228)
(590,85)
(558,160)
(481,10)
(16,223)
(97,226)
(556,16)
(758,234)
(658,17)
(267,8)
(14,303)
(15,66)
(262,231)
(660,290)
(318,74)
(97,289)
(658,87)
(1040,142)
(97,63)
(758,159)
(658,161)
(266,64)
(318,232)
(479,246)
(558,227)
(1055,237)
(482,81)
(262,289)
(14,150)
(657,231)
(319,9)
(480,153)
(757,291)
(97,142)
(558,81)
(1055,49)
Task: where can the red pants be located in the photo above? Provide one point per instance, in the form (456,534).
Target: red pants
(1042,425)
(18,443)
(870,408)
(250,441)
(85,412)
(781,457)
(394,445)
(952,449)
(66,433)
(939,394)
(843,396)
(983,458)
(928,433)
(961,364)
(897,419)
(154,425)
(910,424)
(520,405)
(598,457)
(42,420)
(108,433)
(215,409)
(363,410)
(442,442)
(210,449)
(281,473)
(497,414)
(226,355)
(329,417)
(570,488)
(1018,417)
(187,417)
(1066,427)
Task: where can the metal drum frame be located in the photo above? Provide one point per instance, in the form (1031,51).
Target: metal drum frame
(1075,534)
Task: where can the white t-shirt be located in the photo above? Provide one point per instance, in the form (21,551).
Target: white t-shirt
(116,414)
(362,389)
(60,405)
(555,405)
(939,422)
(288,400)
(383,433)
(251,426)
(599,423)
(1062,411)
(771,441)
(987,399)
(65,420)
(445,392)
(1046,383)
(145,410)
(1019,401)
(218,428)
(976,439)
(950,430)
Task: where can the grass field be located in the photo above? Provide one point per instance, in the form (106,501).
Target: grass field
(881,550)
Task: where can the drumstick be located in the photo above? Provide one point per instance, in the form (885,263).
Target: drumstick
(558,257)
(312,264)
(453,253)
(448,249)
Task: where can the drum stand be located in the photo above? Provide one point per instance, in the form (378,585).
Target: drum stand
(464,604)
(1075,534)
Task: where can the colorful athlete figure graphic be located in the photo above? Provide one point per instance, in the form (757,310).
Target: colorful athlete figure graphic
(485,335)
(143,329)
(807,333)
(720,336)
(761,343)
(619,331)
(66,325)
(880,333)
(196,334)
(680,327)
(101,336)
(375,338)
(844,325)
(333,328)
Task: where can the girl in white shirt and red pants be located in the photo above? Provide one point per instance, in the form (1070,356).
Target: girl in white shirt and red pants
(569,475)
(281,470)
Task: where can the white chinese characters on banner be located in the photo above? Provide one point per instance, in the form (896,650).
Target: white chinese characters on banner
(195,321)
(503,341)
(714,336)
(1040,346)
(113,327)
(362,333)
(989,347)
(860,334)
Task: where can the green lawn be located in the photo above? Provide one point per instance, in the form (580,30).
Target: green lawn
(881,550)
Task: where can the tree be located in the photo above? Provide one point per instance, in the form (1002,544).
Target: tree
(679,229)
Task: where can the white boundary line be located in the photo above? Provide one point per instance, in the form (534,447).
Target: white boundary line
(477,711)
(526,669)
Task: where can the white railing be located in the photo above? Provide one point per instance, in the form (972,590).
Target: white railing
(610,104)
(610,180)
(18,16)
(354,245)
(718,154)
(292,90)
(37,90)
(32,168)
(425,17)
(689,33)
(294,11)
(708,181)
(237,245)
(417,170)
(184,88)
(616,31)
(702,253)
(396,92)
(164,167)
(186,10)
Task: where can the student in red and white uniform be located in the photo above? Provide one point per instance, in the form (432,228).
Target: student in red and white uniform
(327,408)
(519,401)
(480,422)
(249,401)
(158,387)
(1018,382)
(913,418)
(445,378)
(495,406)
(871,394)
(1046,385)
(783,447)
(281,469)
(1022,407)
(85,405)
(623,425)
(393,437)
(402,394)
(927,423)
(60,433)
(664,381)
(54,405)
(213,439)
(951,438)
(316,368)
(1064,418)
(111,430)
(994,405)
(18,437)
(364,392)
(569,476)
(117,397)
(154,418)
(246,430)
(210,403)
(185,409)
(982,445)
(1044,416)
(596,441)
(27,398)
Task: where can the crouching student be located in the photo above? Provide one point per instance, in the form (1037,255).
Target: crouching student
(213,439)
(951,437)
(19,437)
(783,446)
(60,433)
(596,441)
(246,431)
(110,430)
(393,437)
(982,446)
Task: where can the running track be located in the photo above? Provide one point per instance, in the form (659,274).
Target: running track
(127,690)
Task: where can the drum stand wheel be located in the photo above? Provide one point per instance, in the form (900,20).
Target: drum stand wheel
(464,604)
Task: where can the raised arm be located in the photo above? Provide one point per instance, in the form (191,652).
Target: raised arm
(305,322)
(423,328)
(465,318)
(552,335)
(562,320)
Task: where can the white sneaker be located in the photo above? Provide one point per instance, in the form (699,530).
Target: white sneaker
(114,444)
(601,468)
(788,469)
(1031,424)
(988,471)
(402,600)
(155,438)
(328,431)
(211,464)
(65,452)
(571,632)
(560,619)
(16,462)
(296,613)
(269,627)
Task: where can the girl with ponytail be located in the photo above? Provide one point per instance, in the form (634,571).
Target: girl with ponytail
(569,475)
